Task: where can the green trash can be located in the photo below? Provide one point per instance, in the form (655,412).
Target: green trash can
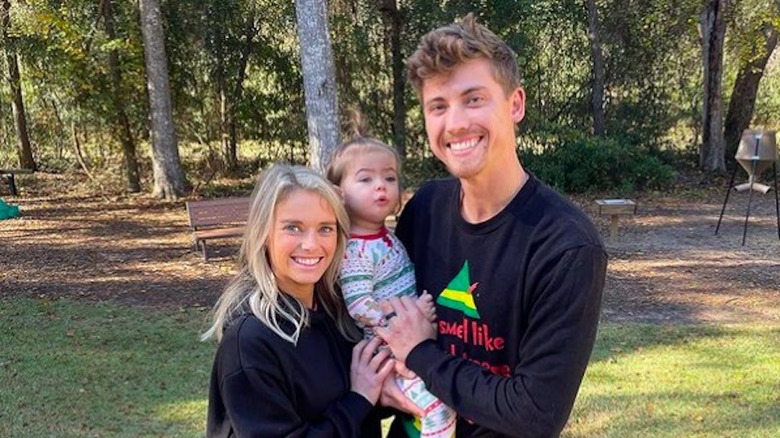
(8,211)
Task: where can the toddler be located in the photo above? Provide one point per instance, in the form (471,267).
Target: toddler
(376,265)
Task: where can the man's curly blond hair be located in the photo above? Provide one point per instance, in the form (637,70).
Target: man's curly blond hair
(442,50)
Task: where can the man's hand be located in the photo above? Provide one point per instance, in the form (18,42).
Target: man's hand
(406,326)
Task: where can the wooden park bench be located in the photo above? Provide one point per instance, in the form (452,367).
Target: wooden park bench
(217,219)
(8,176)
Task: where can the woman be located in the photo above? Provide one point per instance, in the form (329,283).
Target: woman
(286,366)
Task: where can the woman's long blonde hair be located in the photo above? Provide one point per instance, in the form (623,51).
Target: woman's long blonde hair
(255,284)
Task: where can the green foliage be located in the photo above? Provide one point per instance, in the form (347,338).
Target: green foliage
(768,100)
(580,164)
(651,50)
(419,170)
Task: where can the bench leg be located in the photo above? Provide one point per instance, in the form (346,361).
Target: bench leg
(12,184)
(205,251)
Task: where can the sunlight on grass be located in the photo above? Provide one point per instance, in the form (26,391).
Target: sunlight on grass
(189,413)
(692,381)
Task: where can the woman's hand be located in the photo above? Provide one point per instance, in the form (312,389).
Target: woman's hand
(368,370)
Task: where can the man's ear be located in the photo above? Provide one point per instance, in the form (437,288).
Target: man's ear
(517,101)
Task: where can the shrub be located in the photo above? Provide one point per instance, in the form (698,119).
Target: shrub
(417,170)
(579,164)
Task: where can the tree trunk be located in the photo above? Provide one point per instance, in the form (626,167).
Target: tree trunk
(250,33)
(319,80)
(220,82)
(713,25)
(222,102)
(120,117)
(743,98)
(63,130)
(26,160)
(597,96)
(168,175)
(389,9)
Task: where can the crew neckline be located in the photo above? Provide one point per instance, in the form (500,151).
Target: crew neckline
(520,198)
(373,236)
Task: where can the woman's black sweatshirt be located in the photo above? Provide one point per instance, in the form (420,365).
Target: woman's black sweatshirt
(264,386)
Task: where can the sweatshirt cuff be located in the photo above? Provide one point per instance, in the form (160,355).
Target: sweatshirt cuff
(421,357)
(358,405)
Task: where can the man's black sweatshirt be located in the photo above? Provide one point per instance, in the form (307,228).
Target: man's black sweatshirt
(517,298)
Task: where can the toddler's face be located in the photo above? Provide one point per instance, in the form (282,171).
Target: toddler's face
(371,190)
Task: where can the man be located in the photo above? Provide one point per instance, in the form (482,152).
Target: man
(517,270)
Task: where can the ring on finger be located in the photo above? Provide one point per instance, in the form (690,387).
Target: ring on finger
(390,315)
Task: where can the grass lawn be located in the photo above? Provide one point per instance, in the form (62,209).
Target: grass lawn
(72,369)
(81,369)
(681,381)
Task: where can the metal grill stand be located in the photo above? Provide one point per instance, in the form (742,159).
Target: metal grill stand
(756,152)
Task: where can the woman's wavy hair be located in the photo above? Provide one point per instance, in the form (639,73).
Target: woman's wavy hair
(254,287)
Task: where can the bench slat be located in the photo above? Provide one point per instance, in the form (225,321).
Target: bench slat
(218,212)
(217,233)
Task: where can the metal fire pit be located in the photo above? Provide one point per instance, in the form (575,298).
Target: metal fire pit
(757,152)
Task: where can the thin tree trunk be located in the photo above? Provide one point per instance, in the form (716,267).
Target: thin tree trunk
(713,24)
(220,83)
(222,105)
(743,97)
(597,94)
(83,162)
(120,118)
(389,9)
(250,33)
(26,160)
(168,175)
(319,80)
(63,130)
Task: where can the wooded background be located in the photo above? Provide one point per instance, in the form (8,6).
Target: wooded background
(159,94)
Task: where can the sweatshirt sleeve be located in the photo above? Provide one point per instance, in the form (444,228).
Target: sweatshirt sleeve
(259,405)
(405,227)
(536,400)
(357,287)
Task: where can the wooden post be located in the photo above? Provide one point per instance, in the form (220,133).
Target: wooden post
(613,228)
(8,174)
(615,208)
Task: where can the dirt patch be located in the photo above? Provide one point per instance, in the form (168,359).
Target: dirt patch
(667,267)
